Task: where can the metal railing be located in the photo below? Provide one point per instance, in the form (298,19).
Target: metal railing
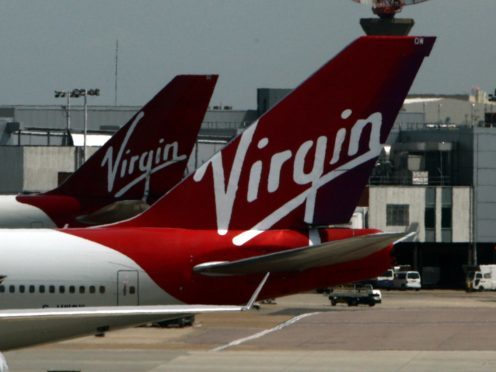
(408,181)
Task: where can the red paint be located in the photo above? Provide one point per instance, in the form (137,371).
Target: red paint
(175,114)
(169,255)
(372,75)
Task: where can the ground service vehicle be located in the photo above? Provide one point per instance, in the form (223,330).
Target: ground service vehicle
(482,279)
(407,280)
(181,322)
(355,295)
(386,279)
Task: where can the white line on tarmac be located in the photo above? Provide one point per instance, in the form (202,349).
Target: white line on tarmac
(265,332)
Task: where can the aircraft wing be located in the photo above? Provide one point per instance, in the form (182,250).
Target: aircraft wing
(27,327)
(299,259)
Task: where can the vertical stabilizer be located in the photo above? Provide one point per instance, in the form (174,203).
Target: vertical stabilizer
(152,149)
(307,160)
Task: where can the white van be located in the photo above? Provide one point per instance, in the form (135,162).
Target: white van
(482,279)
(407,280)
(385,280)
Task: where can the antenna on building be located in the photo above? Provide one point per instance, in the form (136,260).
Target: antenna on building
(116,70)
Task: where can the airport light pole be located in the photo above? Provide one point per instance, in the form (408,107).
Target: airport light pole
(85,93)
(66,94)
(77,93)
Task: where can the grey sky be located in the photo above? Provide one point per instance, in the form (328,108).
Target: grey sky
(66,44)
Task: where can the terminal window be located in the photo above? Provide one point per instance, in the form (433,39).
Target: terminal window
(430,218)
(397,215)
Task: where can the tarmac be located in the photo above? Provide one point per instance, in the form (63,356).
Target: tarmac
(410,331)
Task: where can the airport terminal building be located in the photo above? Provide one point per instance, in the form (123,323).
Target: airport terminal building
(436,175)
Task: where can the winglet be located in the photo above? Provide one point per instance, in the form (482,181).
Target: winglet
(405,237)
(254,297)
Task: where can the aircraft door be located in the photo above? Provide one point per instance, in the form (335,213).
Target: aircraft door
(127,288)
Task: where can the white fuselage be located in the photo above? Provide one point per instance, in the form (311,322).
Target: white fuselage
(15,215)
(48,268)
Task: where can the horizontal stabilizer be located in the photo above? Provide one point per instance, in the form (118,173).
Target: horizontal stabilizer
(117,211)
(299,259)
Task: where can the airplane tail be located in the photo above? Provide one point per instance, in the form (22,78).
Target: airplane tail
(149,154)
(307,160)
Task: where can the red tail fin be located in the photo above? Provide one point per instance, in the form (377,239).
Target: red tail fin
(155,144)
(307,160)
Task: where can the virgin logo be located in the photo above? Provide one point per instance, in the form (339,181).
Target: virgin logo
(312,152)
(137,167)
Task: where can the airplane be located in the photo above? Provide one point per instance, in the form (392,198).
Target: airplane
(143,160)
(252,211)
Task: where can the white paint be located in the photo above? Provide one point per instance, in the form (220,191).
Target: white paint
(299,175)
(225,197)
(254,182)
(108,157)
(265,332)
(57,259)
(276,164)
(338,145)
(263,143)
(148,162)
(19,215)
(419,41)
(45,257)
(374,120)
(298,200)
(346,114)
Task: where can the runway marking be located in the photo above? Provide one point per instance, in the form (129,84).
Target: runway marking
(265,332)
